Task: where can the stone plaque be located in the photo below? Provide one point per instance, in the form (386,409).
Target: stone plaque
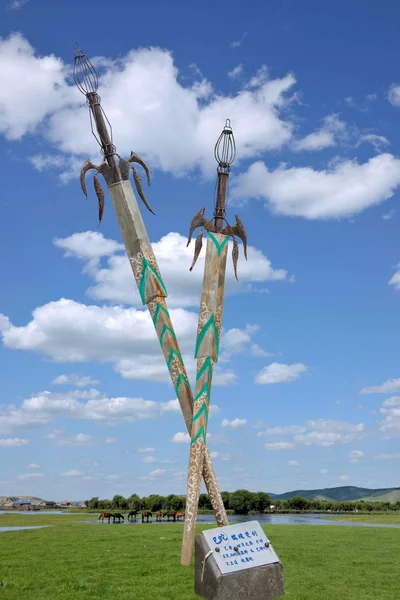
(240,546)
(237,562)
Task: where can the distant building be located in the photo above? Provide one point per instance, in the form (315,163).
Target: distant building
(48,504)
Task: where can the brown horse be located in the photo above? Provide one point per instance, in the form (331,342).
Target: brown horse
(180,515)
(159,515)
(106,515)
(118,516)
(146,514)
(170,513)
(132,515)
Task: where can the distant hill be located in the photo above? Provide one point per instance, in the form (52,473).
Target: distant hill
(33,499)
(344,494)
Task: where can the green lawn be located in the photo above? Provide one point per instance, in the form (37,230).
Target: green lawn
(390,518)
(76,561)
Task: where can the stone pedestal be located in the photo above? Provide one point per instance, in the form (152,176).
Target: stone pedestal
(237,562)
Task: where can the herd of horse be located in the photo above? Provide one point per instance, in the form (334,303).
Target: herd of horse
(147,516)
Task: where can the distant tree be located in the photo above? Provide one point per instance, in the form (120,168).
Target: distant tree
(133,502)
(154,502)
(204,501)
(226,499)
(260,501)
(93,503)
(240,501)
(173,502)
(297,503)
(119,502)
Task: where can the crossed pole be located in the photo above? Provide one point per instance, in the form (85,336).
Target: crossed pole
(210,319)
(152,290)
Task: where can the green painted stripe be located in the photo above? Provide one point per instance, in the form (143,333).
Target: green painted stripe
(202,409)
(200,337)
(178,383)
(200,433)
(164,331)
(171,357)
(160,308)
(219,246)
(142,286)
(204,389)
(207,365)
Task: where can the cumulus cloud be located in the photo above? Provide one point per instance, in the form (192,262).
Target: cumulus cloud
(236,72)
(72,473)
(12,442)
(390,386)
(356,456)
(173,125)
(280,373)
(293,463)
(145,450)
(181,438)
(74,379)
(394,94)
(279,446)
(390,426)
(33,466)
(113,280)
(332,132)
(29,476)
(343,189)
(234,424)
(395,280)
(386,456)
(324,472)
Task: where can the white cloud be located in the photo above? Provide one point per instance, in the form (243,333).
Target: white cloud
(72,473)
(390,426)
(326,433)
(33,466)
(279,373)
(324,472)
(181,438)
(234,424)
(343,189)
(390,386)
(113,281)
(236,72)
(394,94)
(395,280)
(74,379)
(238,43)
(285,430)
(29,476)
(356,456)
(293,463)
(110,440)
(224,377)
(387,456)
(149,459)
(12,442)
(113,477)
(389,215)
(173,125)
(157,472)
(379,142)
(17,4)
(279,446)
(145,450)
(332,132)
(257,351)
(393,401)
(79,439)
(344,478)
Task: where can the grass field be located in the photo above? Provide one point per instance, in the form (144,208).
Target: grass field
(389,518)
(74,560)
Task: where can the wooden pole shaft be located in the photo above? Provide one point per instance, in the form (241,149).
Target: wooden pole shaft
(207,349)
(153,293)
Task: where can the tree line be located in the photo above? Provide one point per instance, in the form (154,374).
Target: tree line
(240,502)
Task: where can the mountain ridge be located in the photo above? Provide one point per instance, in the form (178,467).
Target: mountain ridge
(346,493)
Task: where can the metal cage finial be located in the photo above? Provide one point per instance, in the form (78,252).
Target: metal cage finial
(225,148)
(85,75)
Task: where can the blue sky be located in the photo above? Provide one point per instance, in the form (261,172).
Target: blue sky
(307,388)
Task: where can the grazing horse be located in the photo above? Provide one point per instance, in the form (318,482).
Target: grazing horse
(146,514)
(118,516)
(132,515)
(106,515)
(159,515)
(180,515)
(170,513)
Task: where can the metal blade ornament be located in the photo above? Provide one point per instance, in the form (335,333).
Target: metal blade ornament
(210,318)
(139,250)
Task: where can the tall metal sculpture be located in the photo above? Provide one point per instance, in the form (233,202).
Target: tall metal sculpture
(153,293)
(210,318)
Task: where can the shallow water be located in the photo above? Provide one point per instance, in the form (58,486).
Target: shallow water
(19,528)
(309,519)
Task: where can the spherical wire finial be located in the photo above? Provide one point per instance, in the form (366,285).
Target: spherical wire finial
(225,148)
(85,75)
